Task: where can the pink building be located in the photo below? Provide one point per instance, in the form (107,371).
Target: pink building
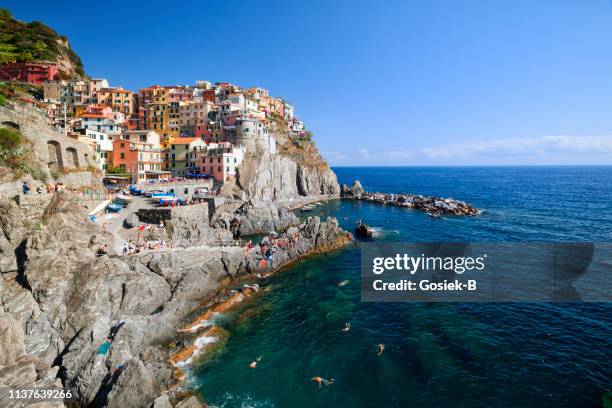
(220,160)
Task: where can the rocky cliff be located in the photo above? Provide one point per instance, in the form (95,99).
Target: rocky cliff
(279,177)
(63,302)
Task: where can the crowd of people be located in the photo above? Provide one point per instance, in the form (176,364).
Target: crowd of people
(131,247)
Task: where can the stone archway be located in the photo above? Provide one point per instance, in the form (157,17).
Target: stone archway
(72,158)
(55,156)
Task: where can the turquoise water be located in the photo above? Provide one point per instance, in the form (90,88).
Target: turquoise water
(470,355)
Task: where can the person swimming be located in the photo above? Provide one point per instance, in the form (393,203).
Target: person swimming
(254,362)
(381,348)
(347,327)
(322,381)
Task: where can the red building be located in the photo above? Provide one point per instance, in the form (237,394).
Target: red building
(31,72)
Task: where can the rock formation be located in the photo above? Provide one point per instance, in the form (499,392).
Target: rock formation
(356,190)
(277,177)
(252,217)
(68,301)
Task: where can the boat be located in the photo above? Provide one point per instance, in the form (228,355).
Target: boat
(122,199)
(115,208)
(163,196)
(434,214)
(343,283)
(136,191)
(307,208)
(363,230)
(169,200)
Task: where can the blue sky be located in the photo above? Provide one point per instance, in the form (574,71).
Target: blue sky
(407,82)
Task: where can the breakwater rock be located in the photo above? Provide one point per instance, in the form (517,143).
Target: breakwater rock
(433,205)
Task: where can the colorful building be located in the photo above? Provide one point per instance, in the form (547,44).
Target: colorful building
(139,154)
(30,72)
(220,160)
(180,157)
(120,100)
(100,123)
(194,118)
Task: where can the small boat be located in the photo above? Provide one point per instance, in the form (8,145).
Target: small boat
(364,231)
(114,208)
(136,191)
(163,196)
(343,283)
(307,208)
(168,200)
(434,214)
(122,199)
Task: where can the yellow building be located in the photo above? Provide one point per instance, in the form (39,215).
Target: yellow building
(160,110)
(120,100)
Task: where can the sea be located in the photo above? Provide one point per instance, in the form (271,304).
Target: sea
(436,354)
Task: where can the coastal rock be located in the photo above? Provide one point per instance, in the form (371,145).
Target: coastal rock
(12,234)
(131,220)
(191,402)
(252,217)
(189,226)
(356,190)
(274,177)
(134,387)
(432,205)
(162,402)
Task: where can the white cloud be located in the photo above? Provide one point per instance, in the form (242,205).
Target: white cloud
(536,150)
(540,146)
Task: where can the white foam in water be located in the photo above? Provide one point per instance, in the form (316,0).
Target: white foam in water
(376,231)
(204,323)
(242,401)
(199,344)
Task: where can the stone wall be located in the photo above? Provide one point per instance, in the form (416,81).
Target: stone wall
(181,189)
(57,151)
(195,212)
(154,215)
(33,205)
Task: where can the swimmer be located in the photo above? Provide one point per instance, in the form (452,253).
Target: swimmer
(381,348)
(254,363)
(347,327)
(322,381)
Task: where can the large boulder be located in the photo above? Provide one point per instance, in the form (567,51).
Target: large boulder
(252,217)
(356,190)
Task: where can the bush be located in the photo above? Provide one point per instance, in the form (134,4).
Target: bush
(2,100)
(10,139)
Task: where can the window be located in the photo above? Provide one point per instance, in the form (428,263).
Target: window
(219,168)
(122,155)
(122,144)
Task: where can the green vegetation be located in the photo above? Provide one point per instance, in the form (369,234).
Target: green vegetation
(16,89)
(33,41)
(15,155)
(117,171)
(2,100)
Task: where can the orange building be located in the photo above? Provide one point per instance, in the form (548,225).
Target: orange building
(139,154)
